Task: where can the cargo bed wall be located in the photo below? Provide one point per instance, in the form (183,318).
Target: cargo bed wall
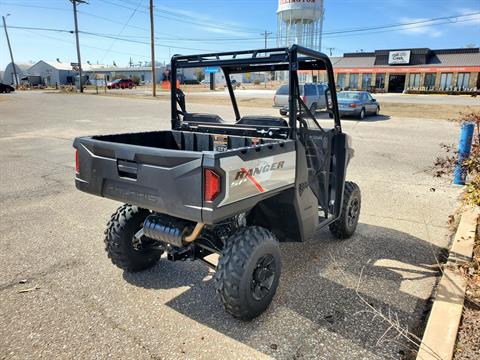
(183,140)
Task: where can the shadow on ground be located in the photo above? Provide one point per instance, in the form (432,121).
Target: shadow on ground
(318,294)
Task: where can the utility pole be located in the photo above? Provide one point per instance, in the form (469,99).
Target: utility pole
(74,2)
(152,41)
(11,53)
(266,34)
(330,49)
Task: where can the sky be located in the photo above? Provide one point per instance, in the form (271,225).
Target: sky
(196,26)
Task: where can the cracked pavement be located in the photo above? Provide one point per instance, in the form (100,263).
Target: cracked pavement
(78,305)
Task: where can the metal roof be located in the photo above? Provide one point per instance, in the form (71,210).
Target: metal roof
(442,57)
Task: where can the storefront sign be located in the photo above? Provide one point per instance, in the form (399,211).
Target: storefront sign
(399,57)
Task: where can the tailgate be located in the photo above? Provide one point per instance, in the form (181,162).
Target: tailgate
(164,180)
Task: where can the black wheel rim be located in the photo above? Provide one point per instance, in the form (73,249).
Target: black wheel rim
(263,277)
(353,212)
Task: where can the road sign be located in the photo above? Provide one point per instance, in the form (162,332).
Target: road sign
(211,70)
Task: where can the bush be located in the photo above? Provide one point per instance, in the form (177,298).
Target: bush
(445,165)
(191,82)
(136,80)
(256,82)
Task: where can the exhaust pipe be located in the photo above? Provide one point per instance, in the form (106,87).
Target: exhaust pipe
(171,230)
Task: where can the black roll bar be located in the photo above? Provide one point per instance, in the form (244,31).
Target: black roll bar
(274,59)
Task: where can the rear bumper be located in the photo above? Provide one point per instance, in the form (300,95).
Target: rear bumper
(349,111)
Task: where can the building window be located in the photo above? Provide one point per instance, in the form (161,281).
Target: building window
(430,81)
(414,80)
(380,81)
(366,81)
(463,81)
(142,77)
(353,83)
(446,81)
(341,80)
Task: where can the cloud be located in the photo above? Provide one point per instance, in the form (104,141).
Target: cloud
(233,28)
(473,19)
(419,28)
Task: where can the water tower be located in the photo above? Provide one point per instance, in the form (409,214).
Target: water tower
(300,22)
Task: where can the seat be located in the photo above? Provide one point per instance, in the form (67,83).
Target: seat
(273,121)
(206,118)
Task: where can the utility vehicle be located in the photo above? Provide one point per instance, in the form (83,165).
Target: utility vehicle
(232,190)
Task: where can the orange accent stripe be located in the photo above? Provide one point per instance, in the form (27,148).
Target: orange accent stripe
(252,179)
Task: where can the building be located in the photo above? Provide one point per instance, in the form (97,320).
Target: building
(52,73)
(423,69)
(142,73)
(9,75)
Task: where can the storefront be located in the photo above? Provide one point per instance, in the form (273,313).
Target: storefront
(447,70)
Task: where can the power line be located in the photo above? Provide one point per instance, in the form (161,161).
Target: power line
(121,30)
(184,19)
(106,36)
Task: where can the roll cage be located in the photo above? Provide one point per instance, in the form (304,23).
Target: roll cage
(291,59)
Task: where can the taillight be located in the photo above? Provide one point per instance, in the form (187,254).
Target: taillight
(274,99)
(304,99)
(77,163)
(353,105)
(211,185)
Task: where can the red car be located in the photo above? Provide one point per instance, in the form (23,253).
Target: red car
(121,84)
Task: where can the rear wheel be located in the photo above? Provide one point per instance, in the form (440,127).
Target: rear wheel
(123,248)
(346,224)
(361,116)
(248,272)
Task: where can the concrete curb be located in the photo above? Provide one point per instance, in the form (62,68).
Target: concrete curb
(441,332)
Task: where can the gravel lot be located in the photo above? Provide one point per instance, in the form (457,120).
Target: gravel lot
(78,305)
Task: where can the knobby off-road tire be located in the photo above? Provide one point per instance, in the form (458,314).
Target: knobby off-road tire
(248,272)
(345,226)
(119,240)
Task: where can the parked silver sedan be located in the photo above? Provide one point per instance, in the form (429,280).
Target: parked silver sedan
(357,103)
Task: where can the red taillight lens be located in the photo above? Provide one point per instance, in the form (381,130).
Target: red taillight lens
(304,98)
(211,185)
(274,98)
(77,163)
(353,105)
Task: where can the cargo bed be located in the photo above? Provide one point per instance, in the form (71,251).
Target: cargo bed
(163,170)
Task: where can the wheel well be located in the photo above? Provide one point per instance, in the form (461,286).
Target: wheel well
(278,215)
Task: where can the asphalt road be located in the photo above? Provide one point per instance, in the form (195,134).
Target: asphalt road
(78,305)
(268,94)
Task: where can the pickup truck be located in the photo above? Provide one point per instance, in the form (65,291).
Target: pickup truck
(232,188)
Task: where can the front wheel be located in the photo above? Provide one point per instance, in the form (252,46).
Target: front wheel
(248,272)
(346,224)
(125,251)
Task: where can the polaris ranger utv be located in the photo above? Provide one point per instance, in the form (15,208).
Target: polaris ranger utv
(234,188)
